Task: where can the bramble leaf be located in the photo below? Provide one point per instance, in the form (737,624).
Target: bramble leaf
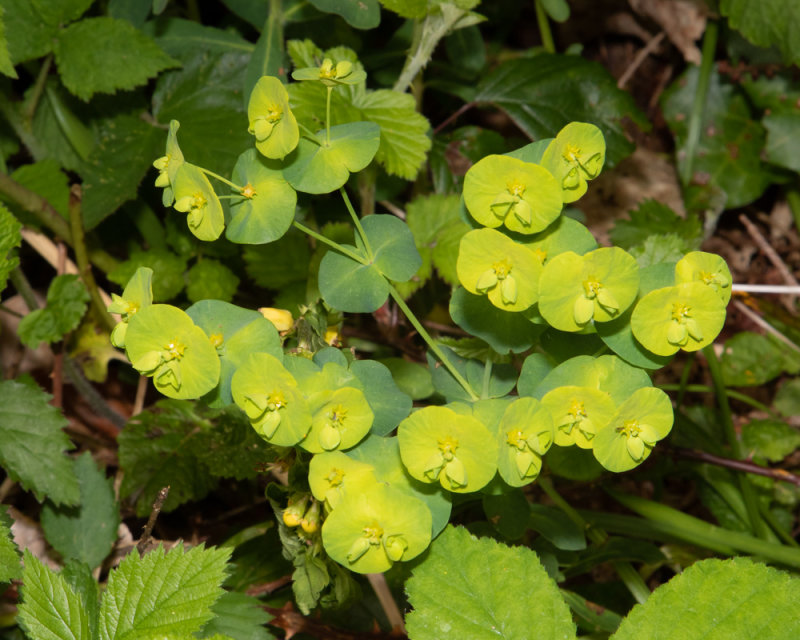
(10,567)
(655,218)
(29,36)
(6,67)
(10,239)
(237,616)
(66,304)
(772,23)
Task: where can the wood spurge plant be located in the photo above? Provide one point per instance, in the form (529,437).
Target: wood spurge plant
(405,391)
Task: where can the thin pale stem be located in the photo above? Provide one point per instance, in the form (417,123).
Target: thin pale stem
(544,28)
(36,93)
(221,179)
(487,378)
(331,243)
(328,116)
(357,222)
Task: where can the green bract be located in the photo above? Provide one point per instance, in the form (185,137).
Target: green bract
(687,316)
(268,394)
(168,164)
(708,268)
(271,120)
(563,235)
(600,285)
(195,197)
(341,418)
(371,530)
(332,474)
(492,263)
(641,421)
(330,74)
(164,343)
(265,210)
(438,444)
(576,155)
(524,435)
(579,414)
(502,190)
(137,295)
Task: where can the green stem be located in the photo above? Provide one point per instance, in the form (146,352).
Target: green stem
(331,243)
(430,342)
(736,395)
(701,93)
(687,368)
(221,179)
(309,134)
(748,493)
(9,111)
(544,28)
(328,117)
(24,288)
(487,378)
(82,258)
(32,101)
(776,527)
(357,222)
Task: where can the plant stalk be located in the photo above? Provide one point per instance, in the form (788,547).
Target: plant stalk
(331,243)
(357,223)
(544,28)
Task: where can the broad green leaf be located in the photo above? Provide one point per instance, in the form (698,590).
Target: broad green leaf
(477,588)
(651,218)
(412,378)
(5,59)
(361,14)
(787,400)
(253,12)
(211,279)
(735,599)
(50,609)
(534,370)
(60,12)
(29,36)
(87,532)
(751,359)
(79,576)
(104,55)
(392,245)
(770,24)
(10,567)
(350,286)
(770,439)
(133,11)
(466,49)
(167,268)
(183,38)
(558,10)
(268,57)
(239,617)
(10,239)
(66,303)
(46,179)
(507,512)
(323,166)
(162,593)
(554,525)
(543,93)
(728,154)
(782,130)
(389,404)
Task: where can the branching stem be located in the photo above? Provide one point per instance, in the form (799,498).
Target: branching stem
(357,223)
(331,243)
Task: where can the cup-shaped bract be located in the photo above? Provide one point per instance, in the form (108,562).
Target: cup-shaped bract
(168,164)
(491,263)
(333,473)
(579,414)
(708,268)
(137,295)
(439,445)
(524,435)
(370,530)
(268,394)
(341,418)
(195,197)
(503,190)
(687,316)
(641,421)
(164,343)
(271,120)
(598,286)
(332,73)
(563,235)
(575,156)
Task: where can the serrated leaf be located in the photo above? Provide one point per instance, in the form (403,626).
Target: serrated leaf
(10,567)
(79,576)
(735,599)
(544,93)
(167,267)
(86,532)
(183,38)
(477,588)
(767,24)
(46,179)
(5,59)
(652,217)
(361,14)
(60,12)
(29,36)
(66,304)
(133,11)
(32,444)
(239,617)
(50,609)
(10,239)
(210,279)
(162,593)
(104,55)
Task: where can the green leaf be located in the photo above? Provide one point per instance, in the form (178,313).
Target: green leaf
(29,36)
(770,24)
(32,444)
(183,38)
(502,379)
(46,179)
(476,588)
(544,93)
(735,599)
(162,593)
(10,567)
(507,512)
(728,154)
(554,525)
(280,263)
(361,14)
(104,55)
(324,166)
(133,11)
(60,12)
(652,217)
(350,286)
(751,359)
(237,616)
(5,58)
(411,378)
(392,244)
(79,576)
(787,400)
(86,532)
(387,401)
(211,279)
(167,268)
(50,609)
(782,131)
(770,439)
(10,239)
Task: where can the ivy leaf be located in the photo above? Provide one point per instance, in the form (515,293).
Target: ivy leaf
(544,93)
(50,609)
(162,593)
(477,588)
(104,55)
(66,304)
(237,616)
(734,599)
(86,532)
(10,567)
(769,23)
(32,444)
(10,239)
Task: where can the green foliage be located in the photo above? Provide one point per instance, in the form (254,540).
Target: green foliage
(33,445)
(653,219)
(237,616)
(46,179)
(66,304)
(770,439)
(752,359)
(10,567)
(477,588)
(167,265)
(10,239)
(211,279)
(773,24)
